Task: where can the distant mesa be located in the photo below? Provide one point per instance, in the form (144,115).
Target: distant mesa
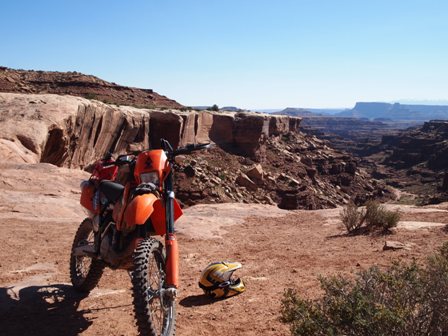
(298,112)
(224,108)
(396,111)
(375,111)
(231,109)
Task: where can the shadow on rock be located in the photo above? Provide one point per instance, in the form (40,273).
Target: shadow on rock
(42,310)
(197,300)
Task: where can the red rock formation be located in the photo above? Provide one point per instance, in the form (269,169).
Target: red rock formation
(74,131)
(77,84)
(296,171)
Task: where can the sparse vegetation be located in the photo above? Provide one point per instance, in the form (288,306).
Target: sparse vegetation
(378,218)
(91,95)
(406,299)
(375,217)
(351,217)
(214,107)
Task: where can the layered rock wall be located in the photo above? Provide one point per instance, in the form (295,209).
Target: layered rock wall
(80,85)
(73,132)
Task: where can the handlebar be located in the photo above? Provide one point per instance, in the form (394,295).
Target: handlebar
(166,146)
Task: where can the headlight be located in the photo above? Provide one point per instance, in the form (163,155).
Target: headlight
(151,177)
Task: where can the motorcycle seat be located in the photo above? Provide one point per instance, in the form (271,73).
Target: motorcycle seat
(111,190)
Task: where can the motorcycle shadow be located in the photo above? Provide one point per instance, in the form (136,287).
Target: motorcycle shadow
(42,310)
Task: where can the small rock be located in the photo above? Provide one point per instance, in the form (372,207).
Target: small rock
(271,179)
(180,159)
(311,172)
(395,245)
(293,182)
(216,180)
(268,200)
(189,171)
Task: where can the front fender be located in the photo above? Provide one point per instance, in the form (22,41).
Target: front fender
(146,206)
(139,210)
(158,217)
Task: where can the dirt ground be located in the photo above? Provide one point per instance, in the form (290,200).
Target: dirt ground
(39,214)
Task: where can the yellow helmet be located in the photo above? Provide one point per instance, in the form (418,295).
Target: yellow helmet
(216,280)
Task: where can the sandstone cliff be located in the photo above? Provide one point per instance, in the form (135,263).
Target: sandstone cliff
(258,158)
(73,132)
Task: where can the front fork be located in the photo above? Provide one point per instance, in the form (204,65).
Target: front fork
(172,250)
(172,261)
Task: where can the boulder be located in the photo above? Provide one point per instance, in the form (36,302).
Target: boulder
(244,181)
(255,173)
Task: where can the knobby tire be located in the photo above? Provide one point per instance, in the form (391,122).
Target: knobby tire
(148,277)
(84,281)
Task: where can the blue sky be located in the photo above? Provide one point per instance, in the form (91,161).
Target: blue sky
(246,53)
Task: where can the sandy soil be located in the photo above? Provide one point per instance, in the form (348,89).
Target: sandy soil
(278,249)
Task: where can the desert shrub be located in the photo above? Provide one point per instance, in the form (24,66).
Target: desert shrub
(377,217)
(404,300)
(90,95)
(351,217)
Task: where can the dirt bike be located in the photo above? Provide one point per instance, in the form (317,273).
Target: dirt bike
(130,200)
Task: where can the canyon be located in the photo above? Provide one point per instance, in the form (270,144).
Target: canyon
(267,179)
(295,170)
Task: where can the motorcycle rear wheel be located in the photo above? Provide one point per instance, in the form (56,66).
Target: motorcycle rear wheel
(85,272)
(155,312)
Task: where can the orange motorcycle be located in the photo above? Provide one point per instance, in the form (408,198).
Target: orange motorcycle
(131,206)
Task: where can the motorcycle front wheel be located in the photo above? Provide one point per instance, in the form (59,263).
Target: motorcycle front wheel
(155,312)
(85,272)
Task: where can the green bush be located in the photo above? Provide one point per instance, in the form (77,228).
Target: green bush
(351,217)
(375,217)
(404,300)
